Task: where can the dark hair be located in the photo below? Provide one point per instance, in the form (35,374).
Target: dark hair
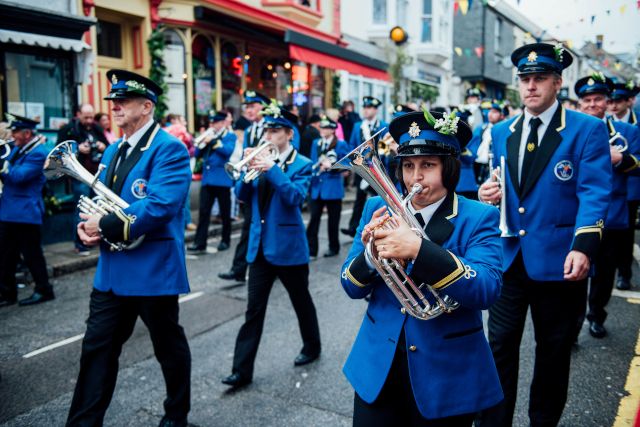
(314,118)
(450,173)
(98,116)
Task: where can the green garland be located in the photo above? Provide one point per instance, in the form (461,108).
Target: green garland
(158,71)
(335,90)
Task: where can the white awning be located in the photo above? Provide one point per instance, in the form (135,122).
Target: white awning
(30,39)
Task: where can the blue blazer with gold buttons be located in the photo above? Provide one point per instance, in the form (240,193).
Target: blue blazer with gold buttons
(276,221)
(633,184)
(215,157)
(564,201)
(328,185)
(154,179)
(451,368)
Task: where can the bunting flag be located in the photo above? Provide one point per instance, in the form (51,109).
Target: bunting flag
(609,11)
(618,65)
(467,51)
(456,6)
(623,9)
(479,51)
(464,6)
(458,51)
(606,63)
(569,44)
(593,18)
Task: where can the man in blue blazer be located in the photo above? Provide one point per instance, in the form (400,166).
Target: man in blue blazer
(149,169)
(593,93)
(362,131)
(558,184)
(327,187)
(21,213)
(216,184)
(277,246)
(406,370)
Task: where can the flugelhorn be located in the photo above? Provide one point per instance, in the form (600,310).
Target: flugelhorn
(364,161)
(5,149)
(61,161)
(330,155)
(235,170)
(620,147)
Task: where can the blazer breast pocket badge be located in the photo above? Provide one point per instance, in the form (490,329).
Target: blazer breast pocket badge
(564,170)
(139,188)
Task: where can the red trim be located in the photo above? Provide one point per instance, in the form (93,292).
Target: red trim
(138,61)
(271,20)
(336,18)
(153,12)
(314,57)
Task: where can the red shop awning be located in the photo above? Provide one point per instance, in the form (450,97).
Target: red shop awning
(304,54)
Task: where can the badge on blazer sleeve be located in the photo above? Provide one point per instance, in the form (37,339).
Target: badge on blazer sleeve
(563,170)
(139,188)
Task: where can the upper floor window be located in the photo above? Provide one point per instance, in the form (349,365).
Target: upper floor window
(313,4)
(379,11)
(497,36)
(427,20)
(109,35)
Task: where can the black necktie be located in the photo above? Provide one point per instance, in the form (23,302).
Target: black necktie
(122,155)
(530,149)
(420,219)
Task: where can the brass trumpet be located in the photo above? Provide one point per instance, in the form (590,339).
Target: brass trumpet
(364,161)
(620,147)
(208,135)
(504,227)
(5,147)
(61,161)
(235,170)
(330,155)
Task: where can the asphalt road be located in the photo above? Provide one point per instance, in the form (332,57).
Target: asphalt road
(36,390)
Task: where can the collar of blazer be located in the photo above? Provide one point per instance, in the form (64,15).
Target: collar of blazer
(632,118)
(548,145)
(611,126)
(440,228)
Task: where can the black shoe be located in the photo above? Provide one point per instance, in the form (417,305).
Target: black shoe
(330,253)
(223,246)
(303,359)
(623,284)
(236,380)
(597,330)
(37,298)
(4,302)
(195,249)
(348,232)
(168,422)
(230,275)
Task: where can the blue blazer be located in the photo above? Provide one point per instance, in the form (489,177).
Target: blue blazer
(564,202)
(633,183)
(214,160)
(23,179)
(451,366)
(618,214)
(279,229)
(468,157)
(356,135)
(155,187)
(328,185)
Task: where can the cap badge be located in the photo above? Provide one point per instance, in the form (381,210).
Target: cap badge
(533,56)
(114,79)
(414,130)
(591,82)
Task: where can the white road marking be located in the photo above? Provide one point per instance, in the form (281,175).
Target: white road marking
(190,296)
(625,294)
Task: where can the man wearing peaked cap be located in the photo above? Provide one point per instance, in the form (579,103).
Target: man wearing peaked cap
(549,243)
(593,92)
(22,212)
(622,100)
(148,169)
(461,259)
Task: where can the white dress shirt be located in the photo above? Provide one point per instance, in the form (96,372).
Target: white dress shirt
(135,138)
(256,129)
(545,117)
(624,118)
(283,156)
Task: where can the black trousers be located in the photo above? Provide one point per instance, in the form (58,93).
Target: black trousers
(110,324)
(601,284)
(555,309)
(208,196)
(239,265)
(333,209)
(295,279)
(396,405)
(15,239)
(358,204)
(625,260)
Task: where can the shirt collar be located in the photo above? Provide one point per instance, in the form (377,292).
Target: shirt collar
(427,212)
(545,116)
(283,156)
(624,118)
(137,135)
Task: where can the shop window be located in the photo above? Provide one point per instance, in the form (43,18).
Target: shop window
(317,88)
(354,92)
(300,80)
(176,74)
(313,4)
(231,64)
(204,80)
(109,35)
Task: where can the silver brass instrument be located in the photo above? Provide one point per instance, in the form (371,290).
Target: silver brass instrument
(331,155)
(208,135)
(62,161)
(622,147)
(235,170)
(504,227)
(5,151)
(364,161)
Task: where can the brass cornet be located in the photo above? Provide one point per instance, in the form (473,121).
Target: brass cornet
(235,170)
(504,227)
(208,135)
(364,161)
(620,147)
(5,151)
(61,161)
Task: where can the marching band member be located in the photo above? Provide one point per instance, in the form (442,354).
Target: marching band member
(327,188)
(216,184)
(482,137)
(362,131)
(593,92)
(467,184)
(150,170)
(253,103)
(557,183)
(621,107)
(21,213)
(426,372)
(473,100)
(277,246)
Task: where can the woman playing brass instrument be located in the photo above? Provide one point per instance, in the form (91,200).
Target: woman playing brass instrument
(426,372)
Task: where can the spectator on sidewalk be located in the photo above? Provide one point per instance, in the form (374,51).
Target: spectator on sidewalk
(311,133)
(102,119)
(176,125)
